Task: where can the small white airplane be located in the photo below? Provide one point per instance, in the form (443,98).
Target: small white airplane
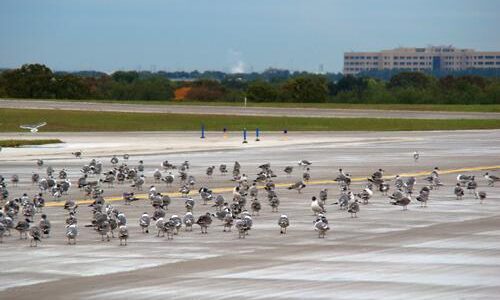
(33,127)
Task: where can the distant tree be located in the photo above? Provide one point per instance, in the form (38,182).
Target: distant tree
(311,88)
(125,76)
(154,88)
(348,83)
(410,80)
(30,81)
(71,87)
(206,90)
(262,91)
(3,92)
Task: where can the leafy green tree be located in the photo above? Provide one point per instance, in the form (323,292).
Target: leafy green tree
(125,76)
(348,83)
(71,87)
(206,90)
(312,88)
(154,88)
(30,81)
(410,80)
(3,92)
(262,91)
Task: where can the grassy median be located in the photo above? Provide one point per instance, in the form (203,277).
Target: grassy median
(19,143)
(10,119)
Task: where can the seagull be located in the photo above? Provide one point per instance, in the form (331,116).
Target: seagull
(402,201)
(321,226)
(71,233)
(299,185)
(3,229)
(104,228)
(353,209)
(44,225)
(39,163)
(189,204)
(255,206)
(177,223)
(242,227)
(210,171)
(188,221)
(219,202)
(463,179)
(288,170)
(459,191)
(204,221)
(36,235)
(23,227)
(306,176)
(472,186)
(481,195)
(77,154)
(157,175)
(344,200)
(14,179)
(160,226)
(323,195)
(416,156)
(123,235)
(423,196)
(223,169)
(491,179)
(317,206)
(283,222)
(144,222)
(33,127)
(228,221)
(304,163)
(366,194)
(274,202)
(114,160)
(169,228)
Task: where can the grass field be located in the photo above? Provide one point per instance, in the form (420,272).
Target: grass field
(413,107)
(19,143)
(115,121)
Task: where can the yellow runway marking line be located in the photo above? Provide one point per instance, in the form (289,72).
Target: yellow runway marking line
(317,182)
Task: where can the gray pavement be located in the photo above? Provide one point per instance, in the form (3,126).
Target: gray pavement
(242,111)
(449,250)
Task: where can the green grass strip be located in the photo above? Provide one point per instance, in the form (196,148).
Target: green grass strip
(19,143)
(74,121)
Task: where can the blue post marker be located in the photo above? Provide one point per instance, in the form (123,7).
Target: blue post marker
(202,131)
(245,136)
(257,133)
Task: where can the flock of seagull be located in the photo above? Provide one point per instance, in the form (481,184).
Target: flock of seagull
(238,212)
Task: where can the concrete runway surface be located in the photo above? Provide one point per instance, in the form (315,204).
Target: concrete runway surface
(241,111)
(449,250)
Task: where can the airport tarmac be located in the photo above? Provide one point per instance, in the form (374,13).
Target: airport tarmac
(243,111)
(449,250)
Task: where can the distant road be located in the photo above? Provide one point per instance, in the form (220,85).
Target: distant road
(241,111)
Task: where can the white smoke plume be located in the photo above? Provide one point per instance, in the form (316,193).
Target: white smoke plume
(236,61)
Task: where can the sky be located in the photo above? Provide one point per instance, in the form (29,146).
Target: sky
(232,35)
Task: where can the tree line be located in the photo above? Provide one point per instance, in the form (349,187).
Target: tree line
(38,81)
